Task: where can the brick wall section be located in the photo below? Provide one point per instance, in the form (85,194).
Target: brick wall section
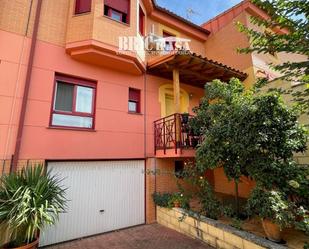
(79,27)
(218,236)
(166,181)
(150,188)
(160,177)
(53,19)
(107,30)
(14,15)
(222,46)
(5,165)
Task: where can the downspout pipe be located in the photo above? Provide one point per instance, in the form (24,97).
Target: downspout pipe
(26,87)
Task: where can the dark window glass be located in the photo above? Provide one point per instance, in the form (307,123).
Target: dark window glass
(64,97)
(179,167)
(117,10)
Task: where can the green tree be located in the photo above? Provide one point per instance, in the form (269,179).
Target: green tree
(248,134)
(291,17)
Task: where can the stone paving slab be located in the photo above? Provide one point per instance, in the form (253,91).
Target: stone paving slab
(152,236)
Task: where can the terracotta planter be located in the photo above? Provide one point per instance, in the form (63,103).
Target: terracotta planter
(272,230)
(32,245)
(176,204)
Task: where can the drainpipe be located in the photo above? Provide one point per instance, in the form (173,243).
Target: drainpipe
(145,113)
(26,87)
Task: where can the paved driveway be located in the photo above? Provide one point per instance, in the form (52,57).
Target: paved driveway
(142,237)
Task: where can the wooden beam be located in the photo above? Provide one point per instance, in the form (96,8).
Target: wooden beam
(176,86)
(192,73)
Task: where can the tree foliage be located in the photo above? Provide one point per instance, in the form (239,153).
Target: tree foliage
(286,30)
(249,134)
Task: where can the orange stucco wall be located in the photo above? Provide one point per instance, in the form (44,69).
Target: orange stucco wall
(112,136)
(223,44)
(223,185)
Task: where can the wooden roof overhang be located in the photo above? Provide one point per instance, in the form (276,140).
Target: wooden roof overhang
(193,69)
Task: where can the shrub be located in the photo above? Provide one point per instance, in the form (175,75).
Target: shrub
(29,200)
(162,199)
(167,199)
(211,207)
(272,205)
(255,135)
(182,199)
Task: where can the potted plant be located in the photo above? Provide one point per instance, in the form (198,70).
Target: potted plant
(29,200)
(274,210)
(185,118)
(178,200)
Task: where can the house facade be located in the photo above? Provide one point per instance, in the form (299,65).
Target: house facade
(224,31)
(77,97)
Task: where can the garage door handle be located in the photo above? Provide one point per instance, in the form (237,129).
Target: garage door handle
(102,211)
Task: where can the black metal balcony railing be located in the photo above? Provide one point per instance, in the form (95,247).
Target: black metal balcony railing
(173,132)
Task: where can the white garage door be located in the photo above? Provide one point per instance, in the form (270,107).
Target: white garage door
(103,196)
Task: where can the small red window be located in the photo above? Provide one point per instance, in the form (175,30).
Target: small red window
(114,14)
(134,100)
(141,21)
(73,103)
(117,10)
(82,6)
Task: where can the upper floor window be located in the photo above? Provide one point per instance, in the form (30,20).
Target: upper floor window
(134,100)
(82,6)
(117,10)
(141,21)
(73,103)
(169,45)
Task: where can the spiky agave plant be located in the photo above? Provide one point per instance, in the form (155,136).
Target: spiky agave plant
(29,200)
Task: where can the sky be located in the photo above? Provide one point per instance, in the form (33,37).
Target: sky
(204,9)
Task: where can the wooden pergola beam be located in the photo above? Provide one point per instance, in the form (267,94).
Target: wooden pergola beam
(176,86)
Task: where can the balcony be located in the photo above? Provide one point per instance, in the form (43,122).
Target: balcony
(93,38)
(174,138)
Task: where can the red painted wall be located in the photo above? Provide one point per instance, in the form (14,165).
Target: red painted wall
(117,134)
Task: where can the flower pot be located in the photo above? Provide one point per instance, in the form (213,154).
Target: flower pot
(272,230)
(176,204)
(185,118)
(32,245)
